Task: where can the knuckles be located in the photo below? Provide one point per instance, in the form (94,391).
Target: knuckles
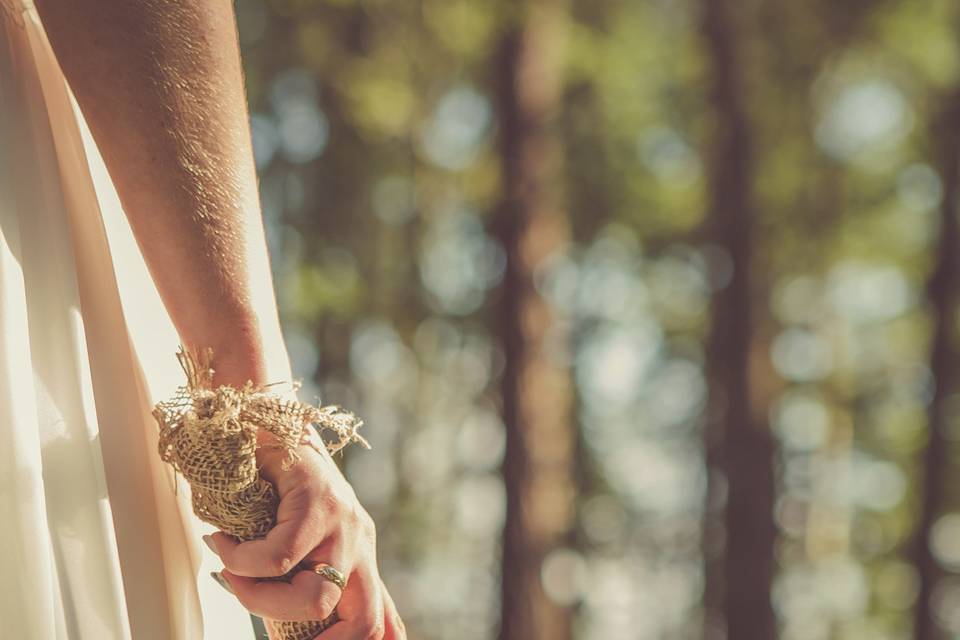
(372,629)
(335,503)
(345,515)
(279,564)
(323,606)
(368,528)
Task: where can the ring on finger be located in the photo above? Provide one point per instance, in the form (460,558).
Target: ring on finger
(327,572)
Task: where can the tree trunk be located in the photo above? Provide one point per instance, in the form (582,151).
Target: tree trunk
(536,391)
(942,294)
(739,531)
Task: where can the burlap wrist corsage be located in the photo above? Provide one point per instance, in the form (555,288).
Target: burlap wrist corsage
(210,436)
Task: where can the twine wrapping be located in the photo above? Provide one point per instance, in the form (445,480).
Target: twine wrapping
(210,437)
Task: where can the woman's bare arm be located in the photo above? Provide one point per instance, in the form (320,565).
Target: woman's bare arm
(160,84)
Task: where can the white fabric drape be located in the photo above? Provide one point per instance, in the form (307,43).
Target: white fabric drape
(95,543)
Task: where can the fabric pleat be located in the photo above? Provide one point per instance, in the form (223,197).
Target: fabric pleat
(96,541)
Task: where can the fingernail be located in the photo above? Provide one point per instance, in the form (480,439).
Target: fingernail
(221,581)
(208,540)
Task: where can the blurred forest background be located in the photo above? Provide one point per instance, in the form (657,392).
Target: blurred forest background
(649,305)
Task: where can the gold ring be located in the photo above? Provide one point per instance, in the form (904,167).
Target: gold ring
(329,573)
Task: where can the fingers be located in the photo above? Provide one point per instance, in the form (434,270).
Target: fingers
(395,629)
(361,609)
(306,597)
(365,608)
(274,555)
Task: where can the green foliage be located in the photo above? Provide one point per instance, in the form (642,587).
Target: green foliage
(385,263)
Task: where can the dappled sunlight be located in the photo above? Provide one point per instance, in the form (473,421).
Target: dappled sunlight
(665,300)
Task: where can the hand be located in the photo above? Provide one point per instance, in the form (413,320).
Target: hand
(319,519)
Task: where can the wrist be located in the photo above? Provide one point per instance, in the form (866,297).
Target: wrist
(249,356)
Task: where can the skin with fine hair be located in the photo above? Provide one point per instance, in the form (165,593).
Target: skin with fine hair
(160,85)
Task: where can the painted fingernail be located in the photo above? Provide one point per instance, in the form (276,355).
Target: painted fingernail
(222,581)
(208,540)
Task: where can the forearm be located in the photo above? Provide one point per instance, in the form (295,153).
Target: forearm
(160,85)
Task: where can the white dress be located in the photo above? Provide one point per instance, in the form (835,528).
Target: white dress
(95,542)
